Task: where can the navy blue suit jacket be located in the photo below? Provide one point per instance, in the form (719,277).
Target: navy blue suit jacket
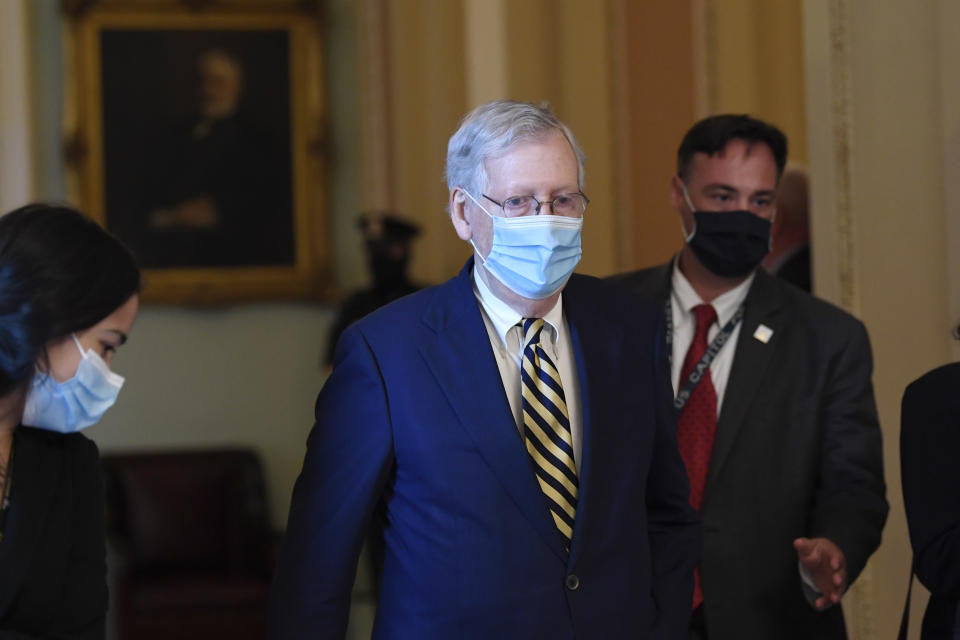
(414,419)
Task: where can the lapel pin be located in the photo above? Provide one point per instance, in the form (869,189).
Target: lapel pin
(763,333)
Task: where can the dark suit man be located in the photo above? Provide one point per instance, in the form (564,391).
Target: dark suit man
(572,525)
(778,424)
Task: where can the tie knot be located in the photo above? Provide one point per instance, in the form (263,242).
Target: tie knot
(706,315)
(532,328)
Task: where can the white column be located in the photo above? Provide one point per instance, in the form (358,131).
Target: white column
(16,153)
(883,113)
(948,21)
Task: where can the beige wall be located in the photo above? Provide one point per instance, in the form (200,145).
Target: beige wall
(16,151)
(655,104)
(877,85)
(755,63)
(427,99)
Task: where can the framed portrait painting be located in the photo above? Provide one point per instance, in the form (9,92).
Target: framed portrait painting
(197,143)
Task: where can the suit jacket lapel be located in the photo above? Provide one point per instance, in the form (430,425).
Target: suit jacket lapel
(594,335)
(36,471)
(464,366)
(750,363)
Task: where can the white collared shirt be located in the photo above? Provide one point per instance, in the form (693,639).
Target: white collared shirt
(506,339)
(682,301)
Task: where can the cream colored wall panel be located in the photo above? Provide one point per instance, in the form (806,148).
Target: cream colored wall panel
(485,31)
(876,132)
(948,20)
(374,80)
(16,152)
(754,51)
(535,70)
(779,70)
(428,98)
(655,93)
(737,84)
(897,203)
(588,109)
(828,100)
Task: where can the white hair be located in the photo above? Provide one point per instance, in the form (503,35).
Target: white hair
(493,128)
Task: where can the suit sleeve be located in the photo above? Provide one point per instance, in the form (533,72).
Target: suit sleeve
(850,506)
(348,460)
(929,442)
(674,526)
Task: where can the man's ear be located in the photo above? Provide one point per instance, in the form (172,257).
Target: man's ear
(679,204)
(458,205)
(676,194)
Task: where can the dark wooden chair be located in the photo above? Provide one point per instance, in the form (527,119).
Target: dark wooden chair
(194,544)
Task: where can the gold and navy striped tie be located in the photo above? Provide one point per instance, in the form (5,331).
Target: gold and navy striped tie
(547,429)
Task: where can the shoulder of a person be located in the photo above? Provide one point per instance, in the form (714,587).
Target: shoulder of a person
(72,443)
(607,297)
(640,277)
(403,307)
(929,412)
(941,380)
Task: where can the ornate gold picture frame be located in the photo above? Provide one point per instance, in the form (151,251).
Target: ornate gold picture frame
(197,141)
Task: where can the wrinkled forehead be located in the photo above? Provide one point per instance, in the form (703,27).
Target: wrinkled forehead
(541,158)
(523,139)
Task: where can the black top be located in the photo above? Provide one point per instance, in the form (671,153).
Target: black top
(53,552)
(929,448)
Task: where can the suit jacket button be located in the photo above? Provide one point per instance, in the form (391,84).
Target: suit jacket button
(573,582)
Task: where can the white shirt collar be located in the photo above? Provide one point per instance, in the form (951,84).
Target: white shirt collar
(503,317)
(725,305)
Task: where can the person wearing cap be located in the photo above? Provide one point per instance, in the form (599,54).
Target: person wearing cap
(387,238)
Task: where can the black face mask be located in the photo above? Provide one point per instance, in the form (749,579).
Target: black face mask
(730,244)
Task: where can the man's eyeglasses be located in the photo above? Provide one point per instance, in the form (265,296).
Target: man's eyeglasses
(571,205)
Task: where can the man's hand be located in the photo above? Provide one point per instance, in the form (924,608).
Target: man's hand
(827,566)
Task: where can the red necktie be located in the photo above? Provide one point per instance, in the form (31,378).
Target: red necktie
(697,424)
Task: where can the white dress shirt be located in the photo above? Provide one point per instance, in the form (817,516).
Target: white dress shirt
(506,339)
(682,301)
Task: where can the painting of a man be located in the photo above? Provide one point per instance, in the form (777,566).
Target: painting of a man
(210,182)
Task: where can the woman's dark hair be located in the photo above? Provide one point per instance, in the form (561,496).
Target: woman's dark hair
(60,272)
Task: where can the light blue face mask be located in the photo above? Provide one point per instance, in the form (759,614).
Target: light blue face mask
(533,256)
(77,403)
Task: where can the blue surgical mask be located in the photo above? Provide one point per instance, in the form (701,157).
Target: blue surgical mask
(533,256)
(77,403)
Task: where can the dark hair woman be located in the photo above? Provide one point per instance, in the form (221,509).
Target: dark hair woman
(68,299)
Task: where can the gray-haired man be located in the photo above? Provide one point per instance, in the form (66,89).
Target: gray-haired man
(512,423)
